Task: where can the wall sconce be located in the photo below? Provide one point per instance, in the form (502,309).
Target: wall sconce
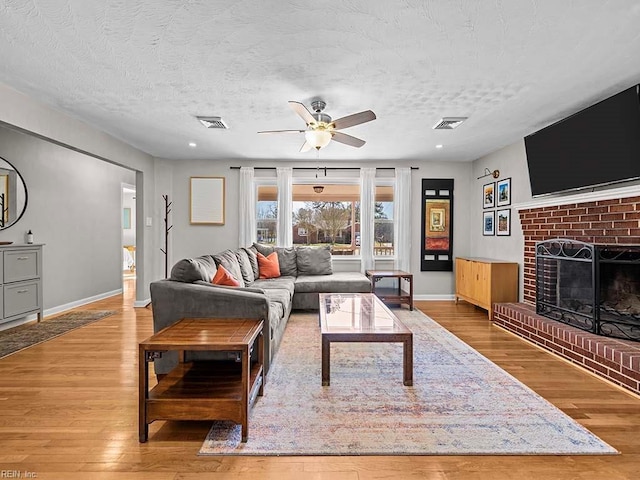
(487,172)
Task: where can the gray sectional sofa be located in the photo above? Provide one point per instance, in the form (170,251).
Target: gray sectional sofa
(305,272)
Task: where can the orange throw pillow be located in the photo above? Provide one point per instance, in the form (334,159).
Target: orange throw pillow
(223,277)
(268,266)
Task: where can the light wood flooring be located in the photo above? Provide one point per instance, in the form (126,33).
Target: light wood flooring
(69,407)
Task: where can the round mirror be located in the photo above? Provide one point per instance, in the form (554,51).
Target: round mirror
(13,194)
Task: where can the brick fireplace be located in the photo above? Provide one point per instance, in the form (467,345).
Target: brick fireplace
(613,221)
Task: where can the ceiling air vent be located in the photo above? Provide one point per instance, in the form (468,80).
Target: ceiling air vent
(449,123)
(212,122)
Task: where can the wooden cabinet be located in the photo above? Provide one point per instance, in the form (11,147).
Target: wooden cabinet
(484,281)
(21,281)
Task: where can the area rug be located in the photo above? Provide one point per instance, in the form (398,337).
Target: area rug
(14,340)
(460,403)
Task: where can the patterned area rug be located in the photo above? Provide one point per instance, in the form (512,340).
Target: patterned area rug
(460,403)
(14,340)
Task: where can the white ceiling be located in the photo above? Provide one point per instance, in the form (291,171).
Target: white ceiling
(142,70)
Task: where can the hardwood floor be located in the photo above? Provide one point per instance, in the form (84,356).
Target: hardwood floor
(69,409)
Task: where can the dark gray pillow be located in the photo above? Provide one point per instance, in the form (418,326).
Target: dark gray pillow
(314,260)
(229,261)
(253,259)
(245,266)
(191,270)
(286,258)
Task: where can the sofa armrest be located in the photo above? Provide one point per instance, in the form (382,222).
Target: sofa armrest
(172,301)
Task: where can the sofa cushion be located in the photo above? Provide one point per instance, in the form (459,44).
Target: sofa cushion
(245,266)
(286,283)
(229,261)
(223,277)
(338,282)
(253,259)
(280,295)
(269,267)
(190,270)
(314,260)
(286,258)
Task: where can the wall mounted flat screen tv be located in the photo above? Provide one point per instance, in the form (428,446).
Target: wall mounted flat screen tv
(596,146)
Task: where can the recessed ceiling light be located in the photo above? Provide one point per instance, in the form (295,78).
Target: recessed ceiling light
(193,144)
(438,146)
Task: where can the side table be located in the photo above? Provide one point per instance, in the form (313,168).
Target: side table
(203,390)
(392,295)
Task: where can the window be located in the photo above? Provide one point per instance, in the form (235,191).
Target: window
(267,213)
(383,221)
(331,217)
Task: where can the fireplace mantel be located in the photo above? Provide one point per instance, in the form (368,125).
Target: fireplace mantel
(630,191)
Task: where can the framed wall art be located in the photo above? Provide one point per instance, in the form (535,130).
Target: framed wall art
(437,225)
(206,201)
(488,223)
(503,222)
(503,195)
(488,195)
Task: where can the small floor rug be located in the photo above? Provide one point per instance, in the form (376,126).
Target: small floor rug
(460,403)
(14,340)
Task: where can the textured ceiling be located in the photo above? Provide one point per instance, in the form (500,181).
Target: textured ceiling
(142,70)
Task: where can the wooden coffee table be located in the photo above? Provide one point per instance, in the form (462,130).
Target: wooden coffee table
(203,390)
(361,317)
(392,295)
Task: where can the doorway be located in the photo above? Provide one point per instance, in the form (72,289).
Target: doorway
(128,231)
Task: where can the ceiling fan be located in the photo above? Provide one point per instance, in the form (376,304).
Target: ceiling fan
(321,129)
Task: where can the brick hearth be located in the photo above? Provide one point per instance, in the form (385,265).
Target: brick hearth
(610,221)
(616,360)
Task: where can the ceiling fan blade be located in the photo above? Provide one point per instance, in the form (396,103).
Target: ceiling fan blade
(355,119)
(282,131)
(306,146)
(347,139)
(301,110)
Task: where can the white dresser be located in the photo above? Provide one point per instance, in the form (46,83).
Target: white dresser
(21,281)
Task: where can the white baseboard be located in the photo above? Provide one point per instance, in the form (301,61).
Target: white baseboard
(141,303)
(429,298)
(61,308)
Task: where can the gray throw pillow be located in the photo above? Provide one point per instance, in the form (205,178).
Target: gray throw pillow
(229,261)
(253,259)
(191,270)
(314,260)
(286,258)
(245,266)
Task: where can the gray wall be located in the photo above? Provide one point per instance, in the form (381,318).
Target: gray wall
(23,112)
(74,209)
(191,240)
(512,162)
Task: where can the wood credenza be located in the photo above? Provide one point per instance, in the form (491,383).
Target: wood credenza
(485,281)
(21,281)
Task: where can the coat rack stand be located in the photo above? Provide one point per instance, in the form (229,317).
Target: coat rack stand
(167,227)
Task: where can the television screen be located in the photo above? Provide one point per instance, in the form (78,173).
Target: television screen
(595,146)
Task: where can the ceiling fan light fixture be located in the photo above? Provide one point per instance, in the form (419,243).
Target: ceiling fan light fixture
(317,138)
(318,188)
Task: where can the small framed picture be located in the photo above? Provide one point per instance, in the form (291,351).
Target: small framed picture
(503,222)
(488,195)
(488,223)
(503,192)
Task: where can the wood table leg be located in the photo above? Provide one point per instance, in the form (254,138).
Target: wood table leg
(143,385)
(246,368)
(326,360)
(407,363)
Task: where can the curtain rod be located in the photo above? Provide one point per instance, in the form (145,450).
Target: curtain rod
(323,168)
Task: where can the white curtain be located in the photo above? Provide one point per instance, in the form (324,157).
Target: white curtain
(285,200)
(402,219)
(247,232)
(367,209)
